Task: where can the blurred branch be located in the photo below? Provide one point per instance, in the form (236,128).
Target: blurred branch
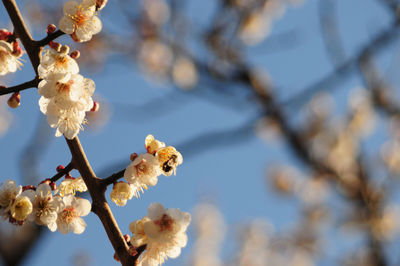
(333,79)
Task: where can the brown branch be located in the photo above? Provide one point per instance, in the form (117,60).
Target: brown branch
(22,33)
(49,38)
(23,86)
(79,160)
(113,178)
(99,204)
(63,172)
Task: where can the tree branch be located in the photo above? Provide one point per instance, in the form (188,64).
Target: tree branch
(99,204)
(23,86)
(113,178)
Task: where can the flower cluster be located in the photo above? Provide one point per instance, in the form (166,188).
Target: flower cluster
(10,52)
(39,204)
(163,231)
(144,169)
(66,95)
(80,20)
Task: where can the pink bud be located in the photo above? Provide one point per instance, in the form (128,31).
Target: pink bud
(29,187)
(127,238)
(100,4)
(17,51)
(133,156)
(4,35)
(15,100)
(55,45)
(132,251)
(95,107)
(60,168)
(68,176)
(75,54)
(51,28)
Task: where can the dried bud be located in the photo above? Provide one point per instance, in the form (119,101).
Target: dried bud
(60,168)
(15,100)
(75,54)
(133,156)
(95,107)
(55,45)
(51,28)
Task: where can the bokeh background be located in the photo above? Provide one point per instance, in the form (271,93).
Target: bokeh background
(189,72)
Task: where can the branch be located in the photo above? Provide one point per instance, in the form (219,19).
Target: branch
(99,204)
(113,178)
(23,86)
(49,38)
(22,33)
(63,172)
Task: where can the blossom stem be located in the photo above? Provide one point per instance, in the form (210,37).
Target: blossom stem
(23,86)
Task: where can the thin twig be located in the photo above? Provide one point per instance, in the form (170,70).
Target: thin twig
(23,86)
(113,178)
(63,172)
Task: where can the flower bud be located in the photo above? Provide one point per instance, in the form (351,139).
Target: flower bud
(133,156)
(4,35)
(51,28)
(127,238)
(64,49)
(17,51)
(29,187)
(100,4)
(55,45)
(95,107)
(60,168)
(116,257)
(75,54)
(15,100)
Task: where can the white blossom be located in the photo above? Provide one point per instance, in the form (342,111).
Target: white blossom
(142,172)
(69,219)
(164,232)
(66,99)
(9,61)
(169,158)
(71,186)
(80,20)
(8,193)
(152,145)
(121,193)
(68,90)
(57,62)
(45,206)
(21,208)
